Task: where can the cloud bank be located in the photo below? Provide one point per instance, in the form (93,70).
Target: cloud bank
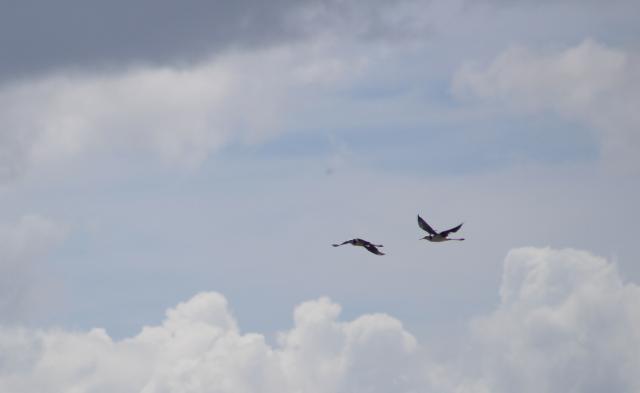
(199,348)
(38,38)
(178,114)
(591,83)
(566,322)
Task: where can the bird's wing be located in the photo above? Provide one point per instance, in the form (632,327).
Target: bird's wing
(371,248)
(448,231)
(344,242)
(423,224)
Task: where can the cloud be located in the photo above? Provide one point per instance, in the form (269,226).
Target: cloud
(38,38)
(178,114)
(246,84)
(350,65)
(199,348)
(590,83)
(23,288)
(566,322)
(41,37)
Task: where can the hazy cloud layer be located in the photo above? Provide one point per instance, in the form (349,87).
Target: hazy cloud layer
(23,283)
(149,96)
(566,322)
(179,114)
(332,58)
(590,83)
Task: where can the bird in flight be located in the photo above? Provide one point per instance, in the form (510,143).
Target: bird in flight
(363,243)
(434,236)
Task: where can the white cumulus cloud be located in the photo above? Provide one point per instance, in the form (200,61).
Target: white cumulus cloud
(566,322)
(199,348)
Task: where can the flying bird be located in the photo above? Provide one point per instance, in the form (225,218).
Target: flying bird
(434,236)
(363,243)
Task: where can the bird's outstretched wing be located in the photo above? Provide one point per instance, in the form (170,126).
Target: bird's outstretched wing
(344,242)
(423,224)
(371,248)
(448,231)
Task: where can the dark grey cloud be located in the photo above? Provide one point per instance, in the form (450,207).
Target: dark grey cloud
(36,36)
(39,35)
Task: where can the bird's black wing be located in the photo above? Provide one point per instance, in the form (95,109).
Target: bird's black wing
(371,248)
(423,224)
(344,242)
(448,231)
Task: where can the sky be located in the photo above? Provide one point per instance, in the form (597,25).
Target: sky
(173,174)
